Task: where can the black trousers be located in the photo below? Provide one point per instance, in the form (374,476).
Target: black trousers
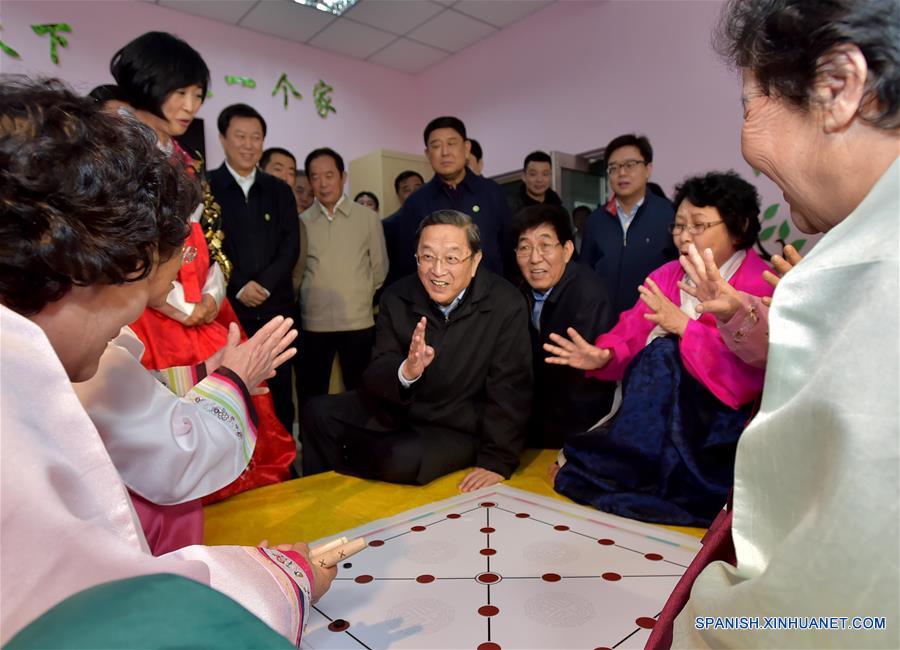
(339,433)
(315,357)
(280,386)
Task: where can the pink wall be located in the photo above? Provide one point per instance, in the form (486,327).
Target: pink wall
(569,77)
(578,73)
(366,96)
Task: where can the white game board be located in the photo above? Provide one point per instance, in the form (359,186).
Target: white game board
(501,568)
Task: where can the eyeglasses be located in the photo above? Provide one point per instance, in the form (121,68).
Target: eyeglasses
(696,229)
(544,248)
(430,259)
(626,166)
(188,254)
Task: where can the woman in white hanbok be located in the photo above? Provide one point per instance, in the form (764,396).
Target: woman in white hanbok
(814,522)
(88,209)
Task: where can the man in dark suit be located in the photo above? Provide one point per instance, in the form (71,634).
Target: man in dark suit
(561,293)
(450,381)
(259,219)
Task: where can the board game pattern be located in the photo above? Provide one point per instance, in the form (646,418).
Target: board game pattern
(500,569)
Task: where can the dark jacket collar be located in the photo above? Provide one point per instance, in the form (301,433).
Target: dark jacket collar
(550,198)
(568,276)
(651,200)
(468,183)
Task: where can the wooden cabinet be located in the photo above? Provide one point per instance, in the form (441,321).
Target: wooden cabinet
(376,172)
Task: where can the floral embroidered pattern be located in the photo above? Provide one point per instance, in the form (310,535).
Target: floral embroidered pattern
(221,398)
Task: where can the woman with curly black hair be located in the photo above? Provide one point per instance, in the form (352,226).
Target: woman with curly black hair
(90,213)
(666,452)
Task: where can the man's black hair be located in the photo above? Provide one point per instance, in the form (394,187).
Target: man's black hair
(324,151)
(238,110)
(445,122)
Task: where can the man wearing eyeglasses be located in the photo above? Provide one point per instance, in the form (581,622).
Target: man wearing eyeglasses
(624,246)
(450,382)
(561,294)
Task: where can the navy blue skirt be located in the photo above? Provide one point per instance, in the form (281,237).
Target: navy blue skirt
(667,456)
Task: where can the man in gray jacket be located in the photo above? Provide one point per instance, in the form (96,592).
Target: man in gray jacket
(346,262)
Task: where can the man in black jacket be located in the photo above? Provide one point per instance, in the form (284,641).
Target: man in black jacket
(561,294)
(259,219)
(537,177)
(450,381)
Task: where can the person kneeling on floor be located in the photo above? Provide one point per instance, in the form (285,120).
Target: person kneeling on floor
(450,382)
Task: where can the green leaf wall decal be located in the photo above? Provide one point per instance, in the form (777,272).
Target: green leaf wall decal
(798,244)
(784,230)
(766,233)
(770,212)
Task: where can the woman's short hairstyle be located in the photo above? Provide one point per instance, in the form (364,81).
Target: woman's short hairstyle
(86,197)
(371,195)
(781,42)
(538,215)
(452,218)
(736,200)
(154,65)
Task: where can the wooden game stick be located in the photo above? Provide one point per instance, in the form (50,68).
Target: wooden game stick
(338,554)
(327,546)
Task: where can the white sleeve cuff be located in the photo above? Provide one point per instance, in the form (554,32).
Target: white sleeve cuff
(406,383)
(197,213)
(176,299)
(215,284)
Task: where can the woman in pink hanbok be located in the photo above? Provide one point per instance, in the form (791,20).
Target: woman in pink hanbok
(666,451)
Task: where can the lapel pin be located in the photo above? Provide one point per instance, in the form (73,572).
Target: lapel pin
(268,217)
(476,208)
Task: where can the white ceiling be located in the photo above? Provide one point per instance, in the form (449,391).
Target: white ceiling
(407,35)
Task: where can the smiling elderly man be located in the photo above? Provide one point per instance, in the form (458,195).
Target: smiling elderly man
(562,294)
(450,381)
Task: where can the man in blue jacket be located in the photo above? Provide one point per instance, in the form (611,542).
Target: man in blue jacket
(625,246)
(453,187)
